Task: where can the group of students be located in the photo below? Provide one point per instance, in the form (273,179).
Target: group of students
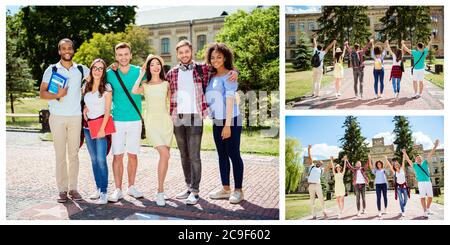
(378,54)
(193,90)
(361,180)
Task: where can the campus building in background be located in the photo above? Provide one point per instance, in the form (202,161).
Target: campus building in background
(307,24)
(377,151)
(198,24)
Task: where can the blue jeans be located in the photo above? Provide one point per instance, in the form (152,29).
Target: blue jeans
(381,188)
(396,84)
(97,151)
(402,194)
(229,149)
(378,75)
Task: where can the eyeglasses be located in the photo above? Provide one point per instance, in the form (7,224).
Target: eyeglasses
(97,68)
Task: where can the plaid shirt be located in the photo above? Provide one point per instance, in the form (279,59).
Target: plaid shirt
(363,172)
(360,54)
(199,83)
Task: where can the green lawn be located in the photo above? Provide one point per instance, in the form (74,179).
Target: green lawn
(436,79)
(297,206)
(300,83)
(26,106)
(440,199)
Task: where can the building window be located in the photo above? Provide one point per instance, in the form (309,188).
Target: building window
(301,26)
(442,160)
(434,18)
(311,26)
(437,181)
(436,170)
(433,159)
(165,49)
(201,42)
(291,27)
(182,38)
(435,32)
(292,40)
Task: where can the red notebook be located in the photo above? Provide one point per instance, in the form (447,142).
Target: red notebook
(94,126)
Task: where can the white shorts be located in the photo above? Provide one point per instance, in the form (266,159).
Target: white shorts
(425,189)
(418,75)
(127,136)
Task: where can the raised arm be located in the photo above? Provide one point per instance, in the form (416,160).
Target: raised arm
(332,165)
(314,42)
(403,164)
(388,164)
(137,88)
(429,42)
(346,46)
(436,144)
(369,162)
(332,44)
(406,49)
(345,165)
(309,155)
(368,44)
(406,157)
(388,46)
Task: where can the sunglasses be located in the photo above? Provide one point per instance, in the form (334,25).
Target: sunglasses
(98,68)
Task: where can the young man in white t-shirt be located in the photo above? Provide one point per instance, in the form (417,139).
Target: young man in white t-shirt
(318,71)
(315,172)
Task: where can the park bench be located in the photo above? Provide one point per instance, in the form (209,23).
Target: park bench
(327,69)
(437,69)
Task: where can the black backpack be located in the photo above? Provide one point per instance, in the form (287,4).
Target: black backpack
(315,60)
(356,62)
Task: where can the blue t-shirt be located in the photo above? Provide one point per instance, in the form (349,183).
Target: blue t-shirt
(380,176)
(416,54)
(217,92)
(420,175)
(122,109)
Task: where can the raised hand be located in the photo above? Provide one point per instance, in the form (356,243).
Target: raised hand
(436,143)
(404,151)
(309,147)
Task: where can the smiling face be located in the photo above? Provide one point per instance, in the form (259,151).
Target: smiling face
(418,159)
(98,70)
(379,165)
(66,50)
(358,164)
(123,56)
(155,67)
(184,54)
(396,166)
(217,59)
(338,168)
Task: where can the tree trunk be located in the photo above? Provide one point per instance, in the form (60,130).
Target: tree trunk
(11,99)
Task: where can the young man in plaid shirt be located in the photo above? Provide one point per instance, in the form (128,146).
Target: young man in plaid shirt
(188,108)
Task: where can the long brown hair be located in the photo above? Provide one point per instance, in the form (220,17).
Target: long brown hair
(102,85)
(162,73)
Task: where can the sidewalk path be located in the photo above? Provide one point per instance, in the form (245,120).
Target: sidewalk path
(413,210)
(31,186)
(432,99)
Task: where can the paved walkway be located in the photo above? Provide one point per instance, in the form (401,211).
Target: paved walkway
(31,187)
(432,99)
(413,210)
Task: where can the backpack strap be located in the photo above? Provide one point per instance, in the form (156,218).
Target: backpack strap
(199,70)
(421,168)
(128,94)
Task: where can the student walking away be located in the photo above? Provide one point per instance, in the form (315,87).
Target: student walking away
(360,181)
(422,170)
(317,64)
(338,71)
(357,63)
(402,192)
(397,68)
(65,117)
(378,54)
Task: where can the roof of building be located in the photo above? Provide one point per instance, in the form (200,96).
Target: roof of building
(184,13)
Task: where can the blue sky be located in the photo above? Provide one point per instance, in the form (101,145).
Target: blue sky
(302,9)
(324,132)
(13,9)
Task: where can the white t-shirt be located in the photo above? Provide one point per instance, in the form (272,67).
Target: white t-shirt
(394,61)
(400,177)
(96,105)
(360,177)
(314,174)
(321,56)
(186,95)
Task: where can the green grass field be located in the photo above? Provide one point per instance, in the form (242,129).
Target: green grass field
(439,199)
(297,206)
(300,83)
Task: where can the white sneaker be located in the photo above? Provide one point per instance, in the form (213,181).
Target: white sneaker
(403,214)
(103,199)
(236,197)
(429,212)
(379,214)
(192,199)
(336,95)
(358,214)
(425,214)
(339,94)
(339,216)
(364,211)
(220,194)
(183,195)
(381,95)
(160,200)
(116,196)
(419,95)
(95,195)
(132,191)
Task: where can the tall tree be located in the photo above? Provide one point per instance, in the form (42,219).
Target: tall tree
(352,144)
(344,23)
(19,83)
(403,137)
(411,23)
(254,38)
(294,168)
(102,45)
(303,54)
(44,26)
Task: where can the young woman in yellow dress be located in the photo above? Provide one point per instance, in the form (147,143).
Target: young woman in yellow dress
(339,187)
(158,124)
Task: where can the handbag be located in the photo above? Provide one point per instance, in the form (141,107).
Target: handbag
(143,136)
(95,124)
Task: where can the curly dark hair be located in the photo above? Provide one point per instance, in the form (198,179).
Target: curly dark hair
(377,163)
(224,50)
(102,85)
(377,50)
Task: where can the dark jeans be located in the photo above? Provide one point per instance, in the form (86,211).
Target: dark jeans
(396,84)
(381,189)
(378,75)
(229,149)
(358,74)
(360,194)
(97,150)
(188,130)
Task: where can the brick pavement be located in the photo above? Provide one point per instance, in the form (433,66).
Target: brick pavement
(433,96)
(31,187)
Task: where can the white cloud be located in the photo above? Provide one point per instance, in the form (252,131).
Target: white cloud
(322,151)
(297,10)
(422,138)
